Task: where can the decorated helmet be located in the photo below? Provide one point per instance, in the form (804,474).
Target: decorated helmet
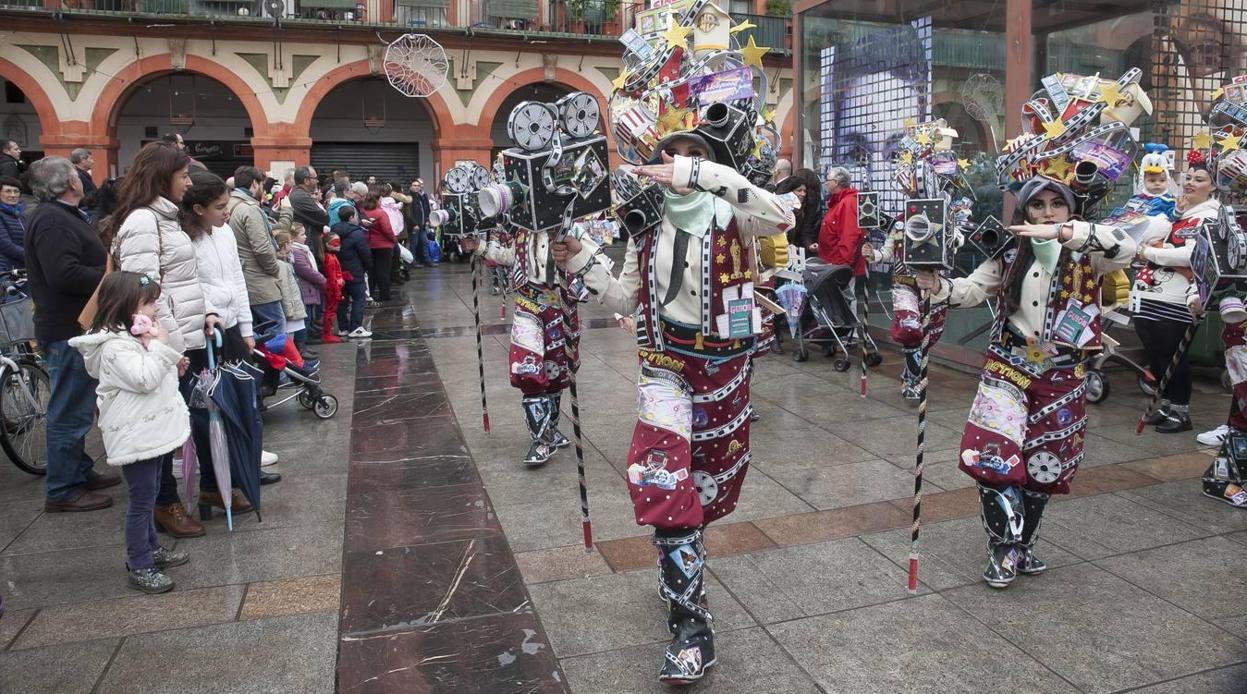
(1219,147)
(1076,131)
(925,166)
(686,75)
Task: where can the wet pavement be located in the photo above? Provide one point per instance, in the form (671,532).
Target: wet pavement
(406,550)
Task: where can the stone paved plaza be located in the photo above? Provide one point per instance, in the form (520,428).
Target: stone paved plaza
(408,551)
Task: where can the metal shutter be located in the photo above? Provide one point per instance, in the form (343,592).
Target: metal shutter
(390,162)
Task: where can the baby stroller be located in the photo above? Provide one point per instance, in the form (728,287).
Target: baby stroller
(277,357)
(832,320)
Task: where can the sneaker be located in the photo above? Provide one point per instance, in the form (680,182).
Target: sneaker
(1176,422)
(360,333)
(311,366)
(1215,437)
(150,581)
(267,458)
(343,333)
(166,558)
(1159,416)
(372,304)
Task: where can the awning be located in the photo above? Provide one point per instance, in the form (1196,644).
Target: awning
(513,9)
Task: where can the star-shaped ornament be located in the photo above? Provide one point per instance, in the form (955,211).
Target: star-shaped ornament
(676,35)
(1054,128)
(1058,167)
(907,158)
(752,53)
(963,164)
(742,27)
(1229,142)
(673,119)
(618,84)
(1201,140)
(1111,94)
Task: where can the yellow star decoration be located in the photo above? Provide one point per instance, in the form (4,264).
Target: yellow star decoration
(743,26)
(1201,140)
(676,35)
(922,138)
(910,123)
(673,119)
(963,164)
(1058,167)
(768,114)
(618,84)
(748,273)
(723,241)
(1229,142)
(907,158)
(757,148)
(723,278)
(1110,94)
(752,53)
(1054,128)
(1216,93)
(720,259)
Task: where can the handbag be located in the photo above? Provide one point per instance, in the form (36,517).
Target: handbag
(87,316)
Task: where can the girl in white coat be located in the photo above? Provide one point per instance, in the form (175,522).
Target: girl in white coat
(142,416)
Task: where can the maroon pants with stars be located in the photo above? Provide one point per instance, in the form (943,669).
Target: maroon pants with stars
(1025,427)
(1235,341)
(538,361)
(690,448)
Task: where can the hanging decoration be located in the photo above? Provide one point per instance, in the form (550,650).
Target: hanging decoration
(416,65)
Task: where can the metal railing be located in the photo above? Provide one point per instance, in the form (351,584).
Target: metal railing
(421,16)
(773,32)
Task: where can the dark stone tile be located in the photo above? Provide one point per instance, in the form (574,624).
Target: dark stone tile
(62,669)
(498,653)
(284,654)
(413,406)
(379,518)
(435,471)
(407,587)
(390,440)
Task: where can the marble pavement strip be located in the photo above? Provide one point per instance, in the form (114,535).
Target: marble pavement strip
(432,597)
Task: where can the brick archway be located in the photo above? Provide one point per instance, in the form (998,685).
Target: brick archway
(562,78)
(434,105)
(49,123)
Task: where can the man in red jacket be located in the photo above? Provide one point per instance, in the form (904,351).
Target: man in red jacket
(840,239)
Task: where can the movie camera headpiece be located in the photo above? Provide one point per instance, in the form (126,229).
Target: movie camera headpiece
(687,74)
(1076,130)
(460,213)
(559,169)
(928,172)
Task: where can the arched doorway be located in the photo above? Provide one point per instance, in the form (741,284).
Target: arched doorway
(546,92)
(366,128)
(19,120)
(209,116)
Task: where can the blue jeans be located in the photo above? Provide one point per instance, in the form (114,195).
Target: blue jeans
(353,302)
(142,480)
(71,411)
(268,320)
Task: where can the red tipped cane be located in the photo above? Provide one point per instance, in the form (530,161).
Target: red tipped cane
(923,357)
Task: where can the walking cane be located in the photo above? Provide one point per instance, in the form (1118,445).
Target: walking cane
(923,357)
(480,352)
(1183,346)
(586,524)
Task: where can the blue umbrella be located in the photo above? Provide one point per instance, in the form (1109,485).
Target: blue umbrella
(203,397)
(235,399)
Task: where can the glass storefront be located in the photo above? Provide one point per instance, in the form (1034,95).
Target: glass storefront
(866,66)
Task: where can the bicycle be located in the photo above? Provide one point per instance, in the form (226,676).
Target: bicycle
(25,389)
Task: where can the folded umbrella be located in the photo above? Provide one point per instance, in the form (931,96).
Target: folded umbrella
(234,398)
(203,397)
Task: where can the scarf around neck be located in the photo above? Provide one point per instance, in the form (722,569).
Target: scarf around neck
(692,213)
(1047,252)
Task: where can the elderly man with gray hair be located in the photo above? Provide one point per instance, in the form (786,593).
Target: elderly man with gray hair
(83,163)
(840,239)
(65,261)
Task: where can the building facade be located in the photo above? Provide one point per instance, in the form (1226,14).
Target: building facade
(242,87)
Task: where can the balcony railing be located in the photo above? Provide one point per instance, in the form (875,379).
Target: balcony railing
(770,31)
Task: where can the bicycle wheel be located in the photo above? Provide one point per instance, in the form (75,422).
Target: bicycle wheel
(24,397)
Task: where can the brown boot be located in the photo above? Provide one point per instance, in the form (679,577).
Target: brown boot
(238,503)
(173,520)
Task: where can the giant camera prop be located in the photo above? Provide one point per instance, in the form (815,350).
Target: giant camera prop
(459,214)
(928,241)
(1219,259)
(559,168)
(990,238)
(640,204)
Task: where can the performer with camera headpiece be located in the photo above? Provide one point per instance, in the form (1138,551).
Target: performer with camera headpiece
(689,279)
(1023,440)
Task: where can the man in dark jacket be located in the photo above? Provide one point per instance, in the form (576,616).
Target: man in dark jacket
(10,158)
(83,162)
(12,228)
(65,260)
(418,222)
(356,260)
(311,215)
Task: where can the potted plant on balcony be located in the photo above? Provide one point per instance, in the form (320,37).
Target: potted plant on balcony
(576,14)
(610,17)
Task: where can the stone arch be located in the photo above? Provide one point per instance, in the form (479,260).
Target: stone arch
(49,122)
(438,112)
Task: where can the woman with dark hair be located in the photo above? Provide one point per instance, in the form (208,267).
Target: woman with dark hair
(381,241)
(145,236)
(1158,297)
(12,226)
(104,201)
(1023,439)
(805,185)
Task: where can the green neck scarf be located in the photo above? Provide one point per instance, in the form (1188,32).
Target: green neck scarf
(1047,252)
(692,213)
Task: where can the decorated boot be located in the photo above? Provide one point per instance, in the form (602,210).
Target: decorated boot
(556,437)
(681,573)
(1223,480)
(1033,504)
(1002,518)
(537,412)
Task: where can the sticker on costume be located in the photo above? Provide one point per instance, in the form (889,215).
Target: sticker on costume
(1001,410)
(989,459)
(1236,363)
(1073,324)
(686,559)
(689,660)
(526,333)
(1236,495)
(707,487)
(700,418)
(1044,467)
(904,301)
(1064,416)
(552,370)
(662,404)
(654,473)
(528,367)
